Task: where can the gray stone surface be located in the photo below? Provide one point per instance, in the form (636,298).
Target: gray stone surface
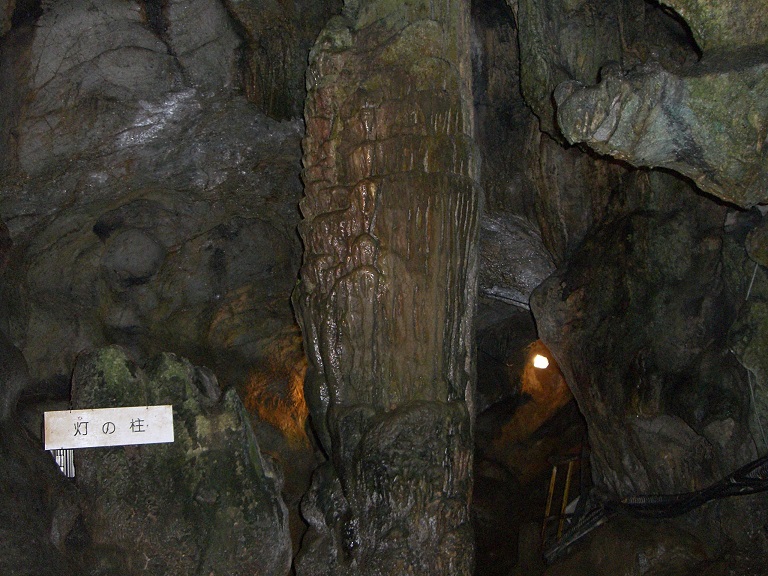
(513,260)
(14,377)
(208,503)
(202,37)
(151,203)
(708,122)
(626,547)
(562,40)
(572,190)
(638,321)
(181,239)
(89,70)
(6,13)
(38,509)
(724,25)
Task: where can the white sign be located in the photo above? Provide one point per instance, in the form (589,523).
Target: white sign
(108,427)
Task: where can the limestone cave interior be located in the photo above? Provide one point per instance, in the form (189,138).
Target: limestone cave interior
(334,235)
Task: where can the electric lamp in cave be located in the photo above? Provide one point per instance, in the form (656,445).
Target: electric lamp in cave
(544,392)
(540,361)
(542,379)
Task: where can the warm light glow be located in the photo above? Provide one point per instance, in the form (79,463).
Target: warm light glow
(540,361)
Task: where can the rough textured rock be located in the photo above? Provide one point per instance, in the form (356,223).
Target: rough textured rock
(148,202)
(656,380)
(208,503)
(202,37)
(718,25)
(85,64)
(513,260)
(38,509)
(564,40)
(626,547)
(748,338)
(572,190)
(6,15)
(655,311)
(387,288)
(708,122)
(502,118)
(170,245)
(14,377)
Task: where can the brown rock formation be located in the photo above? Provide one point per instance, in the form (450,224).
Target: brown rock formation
(387,289)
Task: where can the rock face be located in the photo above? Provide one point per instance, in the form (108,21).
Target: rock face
(666,402)
(38,509)
(565,40)
(149,203)
(632,548)
(655,313)
(724,24)
(208,503)
(278,37)
(387,289)
(150,167)
(707,122)
(200,264)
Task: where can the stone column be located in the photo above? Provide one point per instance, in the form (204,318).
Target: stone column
(387,291)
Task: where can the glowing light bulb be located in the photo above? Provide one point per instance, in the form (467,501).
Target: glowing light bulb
(540,361)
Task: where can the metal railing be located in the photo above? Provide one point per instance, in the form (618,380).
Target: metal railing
(65,458)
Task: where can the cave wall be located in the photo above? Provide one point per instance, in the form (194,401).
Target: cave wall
(148,200)
(653,315)
(150,158)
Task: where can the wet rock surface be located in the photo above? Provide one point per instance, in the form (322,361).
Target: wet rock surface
(641,387)
(563,41)
(386,299)
(183,243)
(38,508)
(135,164)
(627,547)
(716,25)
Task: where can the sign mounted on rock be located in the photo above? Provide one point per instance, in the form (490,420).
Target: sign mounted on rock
(108,427)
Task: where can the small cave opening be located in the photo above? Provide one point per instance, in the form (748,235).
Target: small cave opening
(531,454)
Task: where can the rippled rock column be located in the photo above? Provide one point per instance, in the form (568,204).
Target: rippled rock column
(387,290)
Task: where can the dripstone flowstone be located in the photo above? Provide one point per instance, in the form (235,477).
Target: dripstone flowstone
(387,291)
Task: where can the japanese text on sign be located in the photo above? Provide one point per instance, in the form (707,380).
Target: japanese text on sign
(108,427)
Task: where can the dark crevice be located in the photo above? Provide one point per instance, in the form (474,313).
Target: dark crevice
(154,11)
(26,12)
(675,25)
